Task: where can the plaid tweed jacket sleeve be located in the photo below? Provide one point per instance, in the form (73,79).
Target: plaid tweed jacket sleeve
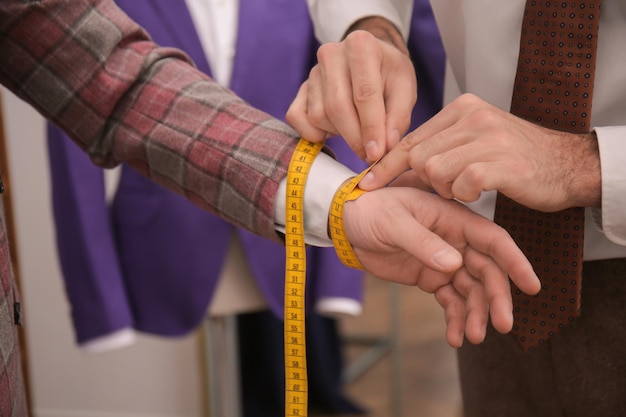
(88,68)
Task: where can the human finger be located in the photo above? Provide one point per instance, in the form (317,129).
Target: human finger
(427,247)
(432,137)
(297,116)
(410,179)
(492,240)
(476,305)
(365,55)
(400,158)
(337,108)
(477,177)
(453,305)
(394,163)
(400,92)
(494,285)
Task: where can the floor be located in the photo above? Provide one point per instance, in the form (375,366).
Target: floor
(427,383)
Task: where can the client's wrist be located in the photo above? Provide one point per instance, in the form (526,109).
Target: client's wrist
(347,192)
(381,28)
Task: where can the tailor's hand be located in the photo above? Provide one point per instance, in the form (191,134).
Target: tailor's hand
(363,88)
(415,237)
(472,146)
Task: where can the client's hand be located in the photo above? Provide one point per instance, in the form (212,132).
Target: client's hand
(414,237)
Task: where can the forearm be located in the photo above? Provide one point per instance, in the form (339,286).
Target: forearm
(583,182)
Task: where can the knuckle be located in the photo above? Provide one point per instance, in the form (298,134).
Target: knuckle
(475,177)
(317,116)
(292,118)
(463,286)
(327,51)
(358,38)
(364,92)
(466,100)
(432,168)
(484,117)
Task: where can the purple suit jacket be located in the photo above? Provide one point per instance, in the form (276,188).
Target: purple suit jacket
(151,261)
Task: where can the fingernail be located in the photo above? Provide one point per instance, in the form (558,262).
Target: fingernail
(447,259)
(367,179)
(371,150)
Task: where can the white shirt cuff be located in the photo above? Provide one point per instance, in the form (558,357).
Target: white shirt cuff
(613,165)
(325,178)
(116,340)
(332,18)
(337,307)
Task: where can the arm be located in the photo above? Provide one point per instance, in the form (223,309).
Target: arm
(131,101)
(472,146)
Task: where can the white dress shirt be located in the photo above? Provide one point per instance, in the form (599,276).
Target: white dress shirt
(481,38)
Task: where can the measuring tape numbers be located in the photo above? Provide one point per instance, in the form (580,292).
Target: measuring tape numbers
(347,192)
(296,383)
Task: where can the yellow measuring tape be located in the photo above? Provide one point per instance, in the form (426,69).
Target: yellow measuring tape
(296,383)
(347,192)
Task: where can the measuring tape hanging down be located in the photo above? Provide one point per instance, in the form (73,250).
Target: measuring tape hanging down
(296,382)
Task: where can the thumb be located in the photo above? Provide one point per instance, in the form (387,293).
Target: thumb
(426,246)
(386,169)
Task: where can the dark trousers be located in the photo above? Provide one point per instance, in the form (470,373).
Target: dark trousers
(262,360)
(581,371)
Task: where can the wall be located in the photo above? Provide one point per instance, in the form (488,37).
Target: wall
(153,378)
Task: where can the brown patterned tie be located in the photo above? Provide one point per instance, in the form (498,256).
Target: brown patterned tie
(553,88)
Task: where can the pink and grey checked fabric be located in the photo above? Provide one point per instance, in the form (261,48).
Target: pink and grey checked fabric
(96,74)
(87,67)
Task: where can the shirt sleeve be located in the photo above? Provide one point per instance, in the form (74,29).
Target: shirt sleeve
(109,342)
(611,218)
(332,18)
(325,178)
